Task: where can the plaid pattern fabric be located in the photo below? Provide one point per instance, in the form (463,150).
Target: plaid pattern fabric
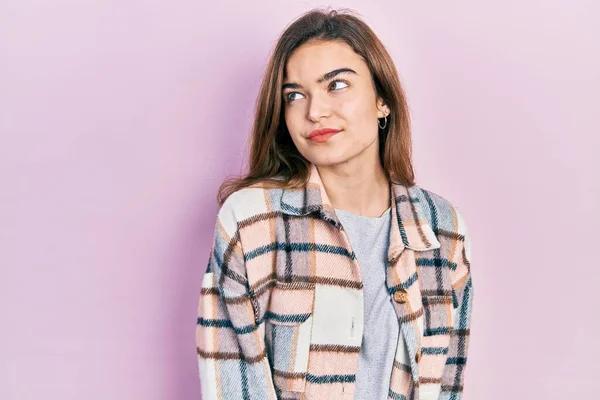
(280,314)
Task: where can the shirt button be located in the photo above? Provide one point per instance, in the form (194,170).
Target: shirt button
(400,296)
(418,355)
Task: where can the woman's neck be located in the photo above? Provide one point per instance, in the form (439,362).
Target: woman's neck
(360,189)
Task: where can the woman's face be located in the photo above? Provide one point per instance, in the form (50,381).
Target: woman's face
(344,100)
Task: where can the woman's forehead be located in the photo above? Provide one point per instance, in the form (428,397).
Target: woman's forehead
(312,61)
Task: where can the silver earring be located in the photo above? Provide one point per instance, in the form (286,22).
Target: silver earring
(384,124)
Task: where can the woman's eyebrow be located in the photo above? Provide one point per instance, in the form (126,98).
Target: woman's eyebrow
(327,76)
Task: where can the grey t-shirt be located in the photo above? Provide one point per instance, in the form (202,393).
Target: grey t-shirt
(369,238)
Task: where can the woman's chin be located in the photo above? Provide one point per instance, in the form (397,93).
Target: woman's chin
(323,160)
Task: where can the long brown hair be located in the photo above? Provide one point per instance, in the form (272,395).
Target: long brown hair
(272,151)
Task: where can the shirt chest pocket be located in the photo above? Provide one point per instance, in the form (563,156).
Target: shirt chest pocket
(288,328)
(438,319)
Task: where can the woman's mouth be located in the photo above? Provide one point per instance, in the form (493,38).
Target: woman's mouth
(322,135)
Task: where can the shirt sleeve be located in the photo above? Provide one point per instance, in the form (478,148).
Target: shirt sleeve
(230,342)
(462,295)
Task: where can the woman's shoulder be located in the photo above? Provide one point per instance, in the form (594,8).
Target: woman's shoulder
(439,210)
(250,201)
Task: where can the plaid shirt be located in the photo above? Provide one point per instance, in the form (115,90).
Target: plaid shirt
(281,311)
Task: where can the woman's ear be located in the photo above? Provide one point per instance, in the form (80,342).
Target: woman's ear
(383,109)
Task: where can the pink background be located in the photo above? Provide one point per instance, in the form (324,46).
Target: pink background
(120,119)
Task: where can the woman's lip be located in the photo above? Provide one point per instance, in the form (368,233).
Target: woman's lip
(323,137)
(324,131)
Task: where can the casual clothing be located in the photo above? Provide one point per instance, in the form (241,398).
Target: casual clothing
(369,238)
(281,313)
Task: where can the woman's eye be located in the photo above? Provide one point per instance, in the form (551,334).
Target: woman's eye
(289,96)
(342,82)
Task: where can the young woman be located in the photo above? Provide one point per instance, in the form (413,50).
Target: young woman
(332,274)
